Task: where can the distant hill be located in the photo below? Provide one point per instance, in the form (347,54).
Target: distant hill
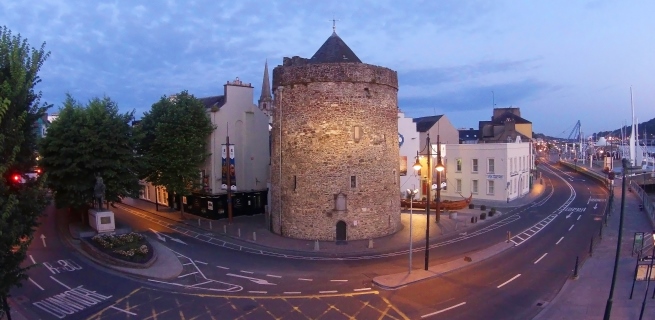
(649,126)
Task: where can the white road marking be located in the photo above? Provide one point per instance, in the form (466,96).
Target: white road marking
(186,264)
(579,217)
(571,227)
(291,292)
(199,284)
(188,274)
(273,276)
(36,284)
(34,262)
(248,272)
(362,289)
(540,258)
(65,286)
(442,310)
(224,268)
(257,292)
(132,313)
(205,263)
(255,280)
(560,240)
(508,281)
(329,291)
(303,279)
(339,280)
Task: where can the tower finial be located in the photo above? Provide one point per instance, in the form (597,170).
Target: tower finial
(334,24)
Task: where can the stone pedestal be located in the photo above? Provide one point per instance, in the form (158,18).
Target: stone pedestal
(102,220)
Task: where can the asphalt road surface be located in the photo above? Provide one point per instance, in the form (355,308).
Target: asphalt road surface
(220,282)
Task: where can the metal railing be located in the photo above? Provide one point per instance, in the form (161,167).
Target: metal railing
(646,202)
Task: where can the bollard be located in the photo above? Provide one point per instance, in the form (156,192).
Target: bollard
(254,236)
(224,228)
(316,246)
(591,247)
(210,225)
(542,181)
(198,222)
(509,236)
(575,270)
(370,243)
(239,232)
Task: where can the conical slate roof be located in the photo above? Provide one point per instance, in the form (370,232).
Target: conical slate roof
(334,50)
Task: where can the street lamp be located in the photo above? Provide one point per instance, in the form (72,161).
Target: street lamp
(418,166)
(411,194)
(648,275)
(608,305)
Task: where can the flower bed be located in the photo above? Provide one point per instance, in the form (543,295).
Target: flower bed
(131,247)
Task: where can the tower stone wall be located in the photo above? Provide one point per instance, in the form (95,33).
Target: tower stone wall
(335,151)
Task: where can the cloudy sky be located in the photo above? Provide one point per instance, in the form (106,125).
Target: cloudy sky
(560,61)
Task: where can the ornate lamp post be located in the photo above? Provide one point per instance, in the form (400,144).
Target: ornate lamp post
(608,305)
(418,166)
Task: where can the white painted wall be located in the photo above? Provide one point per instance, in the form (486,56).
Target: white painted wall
(511,174)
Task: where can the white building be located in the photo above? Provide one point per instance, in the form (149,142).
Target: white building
(412,134)
(233,114)
(489,171)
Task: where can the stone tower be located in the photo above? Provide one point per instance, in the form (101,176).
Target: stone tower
(265,102)
(334,161)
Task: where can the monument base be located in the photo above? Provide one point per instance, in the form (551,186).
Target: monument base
(102,220)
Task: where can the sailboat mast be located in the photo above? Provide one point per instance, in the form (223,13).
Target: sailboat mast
(633,153)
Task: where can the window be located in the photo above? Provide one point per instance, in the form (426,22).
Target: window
(353,181)
(490,187)
(474,164)
(458,186)
(357,133)
(490,165)
(459,165)
(474,186)
(295,183)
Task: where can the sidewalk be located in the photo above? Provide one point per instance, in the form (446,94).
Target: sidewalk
(254,234)
(586,297)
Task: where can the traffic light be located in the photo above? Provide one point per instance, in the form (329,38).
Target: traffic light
(16,178)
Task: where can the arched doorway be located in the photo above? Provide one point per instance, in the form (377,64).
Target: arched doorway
(341,231)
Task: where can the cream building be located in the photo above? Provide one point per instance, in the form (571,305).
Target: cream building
(489,171)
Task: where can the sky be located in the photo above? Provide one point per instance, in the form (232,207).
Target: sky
(559,61)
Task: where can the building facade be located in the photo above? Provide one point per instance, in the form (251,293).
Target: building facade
(437,128)
(489,171)
(334,159)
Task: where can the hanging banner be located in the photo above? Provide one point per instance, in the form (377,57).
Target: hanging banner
(228,167)
(223,167)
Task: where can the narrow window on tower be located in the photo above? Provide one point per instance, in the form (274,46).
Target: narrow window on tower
(357,133)
(353,182)
(295,183)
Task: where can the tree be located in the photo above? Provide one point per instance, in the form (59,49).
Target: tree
(173,143)
(21,204)
(87,141)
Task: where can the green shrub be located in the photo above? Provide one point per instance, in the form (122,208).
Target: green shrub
(483,216)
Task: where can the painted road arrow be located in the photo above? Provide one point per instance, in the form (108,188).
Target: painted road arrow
(159,236)
(255,280)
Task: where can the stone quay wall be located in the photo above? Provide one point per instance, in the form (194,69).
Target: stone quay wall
(335,160)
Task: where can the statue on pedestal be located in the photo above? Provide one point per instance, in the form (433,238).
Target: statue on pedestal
(99,193)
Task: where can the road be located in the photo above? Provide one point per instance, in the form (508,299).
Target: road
(219,280)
